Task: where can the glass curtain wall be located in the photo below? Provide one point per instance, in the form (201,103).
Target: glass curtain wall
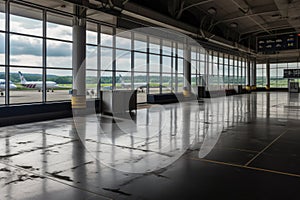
(276,74)
(261,79)
(40,56)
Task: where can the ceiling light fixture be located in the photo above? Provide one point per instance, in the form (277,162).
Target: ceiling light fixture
(212,10)
(233,25)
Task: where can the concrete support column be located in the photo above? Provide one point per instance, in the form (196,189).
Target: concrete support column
(268,75)
(78,58)
(187,68)
(254,73)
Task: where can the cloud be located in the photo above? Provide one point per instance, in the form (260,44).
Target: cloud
(59,31)
(26,60)
(19,24)
(21,45)
(58,49)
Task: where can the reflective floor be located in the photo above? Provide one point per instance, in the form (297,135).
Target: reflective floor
(238,147)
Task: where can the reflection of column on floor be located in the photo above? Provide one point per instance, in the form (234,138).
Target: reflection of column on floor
(10,175)
(268,106)
(78,155)
(160,130)
(186,117)
(45,161)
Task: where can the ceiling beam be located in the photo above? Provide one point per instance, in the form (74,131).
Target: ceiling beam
(261,10)
(277,25)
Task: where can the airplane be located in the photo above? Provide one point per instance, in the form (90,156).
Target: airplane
(2,86)
(139,86)
(50,85)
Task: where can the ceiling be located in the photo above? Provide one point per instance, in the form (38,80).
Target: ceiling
(240,21)
(237,21)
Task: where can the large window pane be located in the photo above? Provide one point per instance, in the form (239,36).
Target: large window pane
(123,60)
(2,16)
(180,82)
(123,80)
(91,83)
(106,58)
(123,40)
(29,88)
(61,78)
(3,84)
(180,65)
(154,45)
(106,36)
(59,27)
(166,67)
(167,47)
(154,63)
(273,75)
(106,80)
(91,57)
(154,83)
(140,62)
(91,33)
(59,54)
(140,79)
(140,42)
(2,48)
(26,20)
(25,51)
(166,83)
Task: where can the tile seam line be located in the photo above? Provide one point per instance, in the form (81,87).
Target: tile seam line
(55,180)
(264,149)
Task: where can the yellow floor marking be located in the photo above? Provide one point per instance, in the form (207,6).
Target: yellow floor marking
(247,167)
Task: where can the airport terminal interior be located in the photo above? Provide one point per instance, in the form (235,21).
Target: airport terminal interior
(149,99)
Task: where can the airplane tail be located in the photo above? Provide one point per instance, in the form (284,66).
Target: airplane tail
(121,80)
(22,78)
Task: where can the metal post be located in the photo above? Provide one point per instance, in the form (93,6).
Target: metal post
(160,65)
(248,75)
(132,61)
(176,67)
(148,65)
(44,78)
(7,51)
(98,60)
(114,62)
(172,67)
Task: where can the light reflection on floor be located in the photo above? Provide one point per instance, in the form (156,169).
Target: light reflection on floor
(58,158)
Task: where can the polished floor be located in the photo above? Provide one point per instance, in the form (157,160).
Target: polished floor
(238,147)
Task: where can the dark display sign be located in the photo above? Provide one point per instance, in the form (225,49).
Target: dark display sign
(277,43)
(291,73)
